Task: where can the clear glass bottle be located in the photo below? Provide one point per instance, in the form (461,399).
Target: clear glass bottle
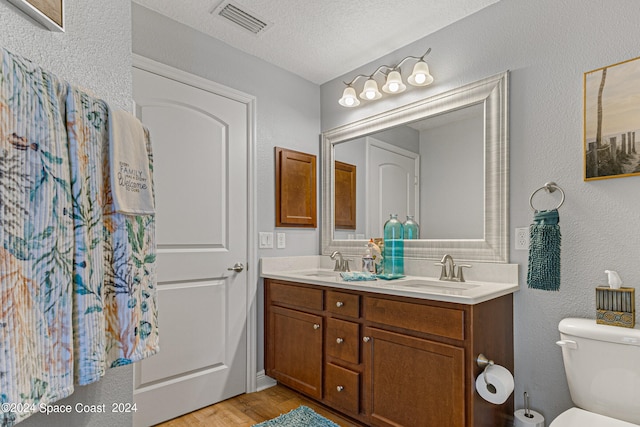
(393,258)
(411,228)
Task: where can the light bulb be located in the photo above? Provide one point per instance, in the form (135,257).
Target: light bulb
(370,90)
(349,98)
(420,75)
(394,83)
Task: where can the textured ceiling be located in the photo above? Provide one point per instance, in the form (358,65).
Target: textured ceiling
(320,40)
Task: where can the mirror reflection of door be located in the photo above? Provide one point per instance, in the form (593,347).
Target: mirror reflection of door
(345,196)
(393,184)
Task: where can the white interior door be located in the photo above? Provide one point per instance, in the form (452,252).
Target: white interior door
(393,184)
(200,170)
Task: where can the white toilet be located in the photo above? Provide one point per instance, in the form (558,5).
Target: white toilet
(602,364)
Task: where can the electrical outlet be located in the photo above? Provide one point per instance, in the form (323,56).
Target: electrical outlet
(522,239)
(281,244)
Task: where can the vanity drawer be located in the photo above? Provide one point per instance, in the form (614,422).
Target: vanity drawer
(342,388)
(445,322)
(299,296)
(342,340)
(343,303)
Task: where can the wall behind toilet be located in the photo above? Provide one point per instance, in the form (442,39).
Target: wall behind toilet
(547,45)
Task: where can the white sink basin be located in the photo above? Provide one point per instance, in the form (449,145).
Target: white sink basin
(420,283)
(320,273)
(438,286)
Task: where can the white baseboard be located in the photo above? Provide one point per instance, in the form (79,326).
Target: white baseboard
(264,382)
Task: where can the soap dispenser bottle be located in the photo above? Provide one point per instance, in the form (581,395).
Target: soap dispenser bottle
(367,260)
(393,260)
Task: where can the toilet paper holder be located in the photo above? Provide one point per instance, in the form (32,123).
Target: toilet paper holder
(484,362)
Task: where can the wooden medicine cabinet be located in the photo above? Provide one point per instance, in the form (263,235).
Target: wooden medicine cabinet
(295,189)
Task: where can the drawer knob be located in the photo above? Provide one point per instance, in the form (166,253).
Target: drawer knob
(316,326)
(339,340)
(339,388)
(365,339)
(339,304)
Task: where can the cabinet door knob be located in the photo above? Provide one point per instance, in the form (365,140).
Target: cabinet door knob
(316,326)
(339,340)
(365,339)
(339,304)
(339,388)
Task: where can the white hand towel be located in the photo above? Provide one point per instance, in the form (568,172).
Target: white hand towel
(130,177)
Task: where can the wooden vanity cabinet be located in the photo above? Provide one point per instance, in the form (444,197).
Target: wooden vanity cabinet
(386,360)
(294,343)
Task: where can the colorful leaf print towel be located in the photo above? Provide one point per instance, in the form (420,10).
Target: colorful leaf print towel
(115,316)
(36,235)
(77,279)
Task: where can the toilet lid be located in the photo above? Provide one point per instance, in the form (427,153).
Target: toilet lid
(576,417)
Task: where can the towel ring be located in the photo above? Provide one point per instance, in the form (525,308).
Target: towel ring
(550,187)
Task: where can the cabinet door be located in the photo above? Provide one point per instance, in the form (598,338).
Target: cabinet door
(295,350)
(413,382)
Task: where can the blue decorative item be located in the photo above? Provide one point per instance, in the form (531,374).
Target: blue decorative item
(393,261)
(357,276)
(544,251)
(411,228)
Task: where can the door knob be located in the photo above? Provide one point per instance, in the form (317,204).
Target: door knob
(238,267)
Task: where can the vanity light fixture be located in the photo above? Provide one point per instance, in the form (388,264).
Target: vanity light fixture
(393,82)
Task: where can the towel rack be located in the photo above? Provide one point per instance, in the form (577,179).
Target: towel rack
(550,187)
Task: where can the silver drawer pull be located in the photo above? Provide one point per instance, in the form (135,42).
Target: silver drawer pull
(365,339)
(316,326)
(339,304)
(339,388)
(339,340)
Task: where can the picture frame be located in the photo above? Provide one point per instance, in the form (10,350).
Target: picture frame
(612,121)
(49,13)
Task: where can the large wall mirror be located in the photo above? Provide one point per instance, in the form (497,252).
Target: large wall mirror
(442,160)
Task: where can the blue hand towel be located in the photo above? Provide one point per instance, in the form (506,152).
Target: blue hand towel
(356,276)
(544,251)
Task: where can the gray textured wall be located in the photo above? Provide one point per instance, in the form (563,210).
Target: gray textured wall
(94,53)
(547,45)
(288,113)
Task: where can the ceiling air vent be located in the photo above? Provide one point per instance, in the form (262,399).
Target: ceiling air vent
(239,15)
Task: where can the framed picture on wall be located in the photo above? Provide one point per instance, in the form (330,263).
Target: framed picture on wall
(612,121)
(49,13)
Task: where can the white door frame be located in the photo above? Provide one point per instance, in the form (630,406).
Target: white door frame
(250,101)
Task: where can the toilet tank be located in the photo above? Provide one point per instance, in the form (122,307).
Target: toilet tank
(602,364)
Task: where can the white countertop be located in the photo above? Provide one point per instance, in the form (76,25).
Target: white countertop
(502,279)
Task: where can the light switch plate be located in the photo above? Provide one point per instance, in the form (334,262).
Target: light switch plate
(266,240)
(281,241)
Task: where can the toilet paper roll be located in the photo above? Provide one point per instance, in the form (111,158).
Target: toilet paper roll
(498,385)
(536,419)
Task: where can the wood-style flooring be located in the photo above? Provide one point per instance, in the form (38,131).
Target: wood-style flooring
(248,409)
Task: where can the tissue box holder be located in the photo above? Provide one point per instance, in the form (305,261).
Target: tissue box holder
(616,307)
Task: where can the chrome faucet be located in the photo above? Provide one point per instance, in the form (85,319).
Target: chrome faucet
(342,264)
(449,272)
